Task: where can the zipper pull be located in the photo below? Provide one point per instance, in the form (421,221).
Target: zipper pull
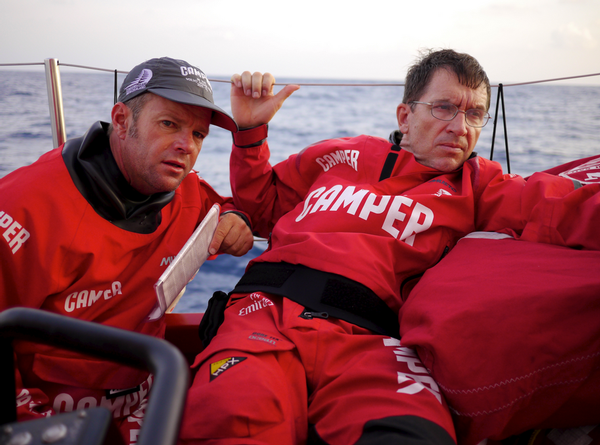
(309,315)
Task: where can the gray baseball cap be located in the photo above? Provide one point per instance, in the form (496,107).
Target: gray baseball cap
(178,81)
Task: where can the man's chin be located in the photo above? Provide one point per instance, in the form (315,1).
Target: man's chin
(171,186)
(445,165)
(451,163)
(164,186)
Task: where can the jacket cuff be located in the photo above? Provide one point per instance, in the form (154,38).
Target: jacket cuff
(241,215)
(251,137)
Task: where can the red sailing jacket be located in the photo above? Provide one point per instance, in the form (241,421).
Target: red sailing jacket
(325,208)
(58,254)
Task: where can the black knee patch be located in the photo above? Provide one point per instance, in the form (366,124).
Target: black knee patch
(405,430)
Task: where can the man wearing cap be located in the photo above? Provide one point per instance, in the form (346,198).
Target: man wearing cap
(90,227)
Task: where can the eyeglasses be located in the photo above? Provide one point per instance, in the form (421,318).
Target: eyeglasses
(445,111)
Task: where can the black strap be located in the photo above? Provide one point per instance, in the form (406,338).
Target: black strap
(320,291)
(213,317)
(390,162)
(388,166)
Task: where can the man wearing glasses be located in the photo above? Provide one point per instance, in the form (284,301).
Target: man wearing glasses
(443,143)
(309,349)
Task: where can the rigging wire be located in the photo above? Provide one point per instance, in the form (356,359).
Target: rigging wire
(314,84)
(498,101)
(500,87)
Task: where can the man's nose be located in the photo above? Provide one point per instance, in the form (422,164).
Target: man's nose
(186,142)
(458,125)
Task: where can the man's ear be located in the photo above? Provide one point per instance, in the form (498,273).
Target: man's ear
(402,113)
(120,119)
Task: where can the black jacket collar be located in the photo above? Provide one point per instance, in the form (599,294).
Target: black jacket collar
(97,177)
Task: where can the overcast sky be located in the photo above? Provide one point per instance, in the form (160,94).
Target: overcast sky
(515,40)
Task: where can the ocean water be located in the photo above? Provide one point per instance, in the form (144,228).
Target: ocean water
(547,125)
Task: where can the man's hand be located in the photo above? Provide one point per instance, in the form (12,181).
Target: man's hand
(232,236)
(252,100)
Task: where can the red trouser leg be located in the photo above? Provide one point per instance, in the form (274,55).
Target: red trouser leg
(252,381)
(359,377)
(250,387)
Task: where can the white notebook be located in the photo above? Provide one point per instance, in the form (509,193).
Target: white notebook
(171,284)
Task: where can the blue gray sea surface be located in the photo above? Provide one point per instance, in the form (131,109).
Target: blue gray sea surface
(547,125)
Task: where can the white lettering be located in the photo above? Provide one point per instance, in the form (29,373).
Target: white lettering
(19,240)
(191,71)
(94,296)
(418,384)
(63,403)
(5,220)
(349,157)
(119,406)
(323,165)
(82,299)
(337,197)
(354,159)
(339,156)
(138,420)
(69,304)
(23,398)
(86,403)
(413,227)
(401,350)
(143,390)
(167,260)
(13,236)
(138,416)
(348,197)
(114,405)
(86,298)
(116,288)
(307,206)
(411,389)
(392,342)
(130,400)
(418,381)
(12,230)
(259,304)
(326,199)
(394,214)
(414,364)
(370,206)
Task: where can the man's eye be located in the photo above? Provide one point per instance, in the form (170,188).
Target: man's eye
(444,107)
(199,135)
(478,114)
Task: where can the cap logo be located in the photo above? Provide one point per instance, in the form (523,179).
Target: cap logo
(140,82)
(195,75)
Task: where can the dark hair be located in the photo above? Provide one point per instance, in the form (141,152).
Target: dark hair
(135,105)
(468,70)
